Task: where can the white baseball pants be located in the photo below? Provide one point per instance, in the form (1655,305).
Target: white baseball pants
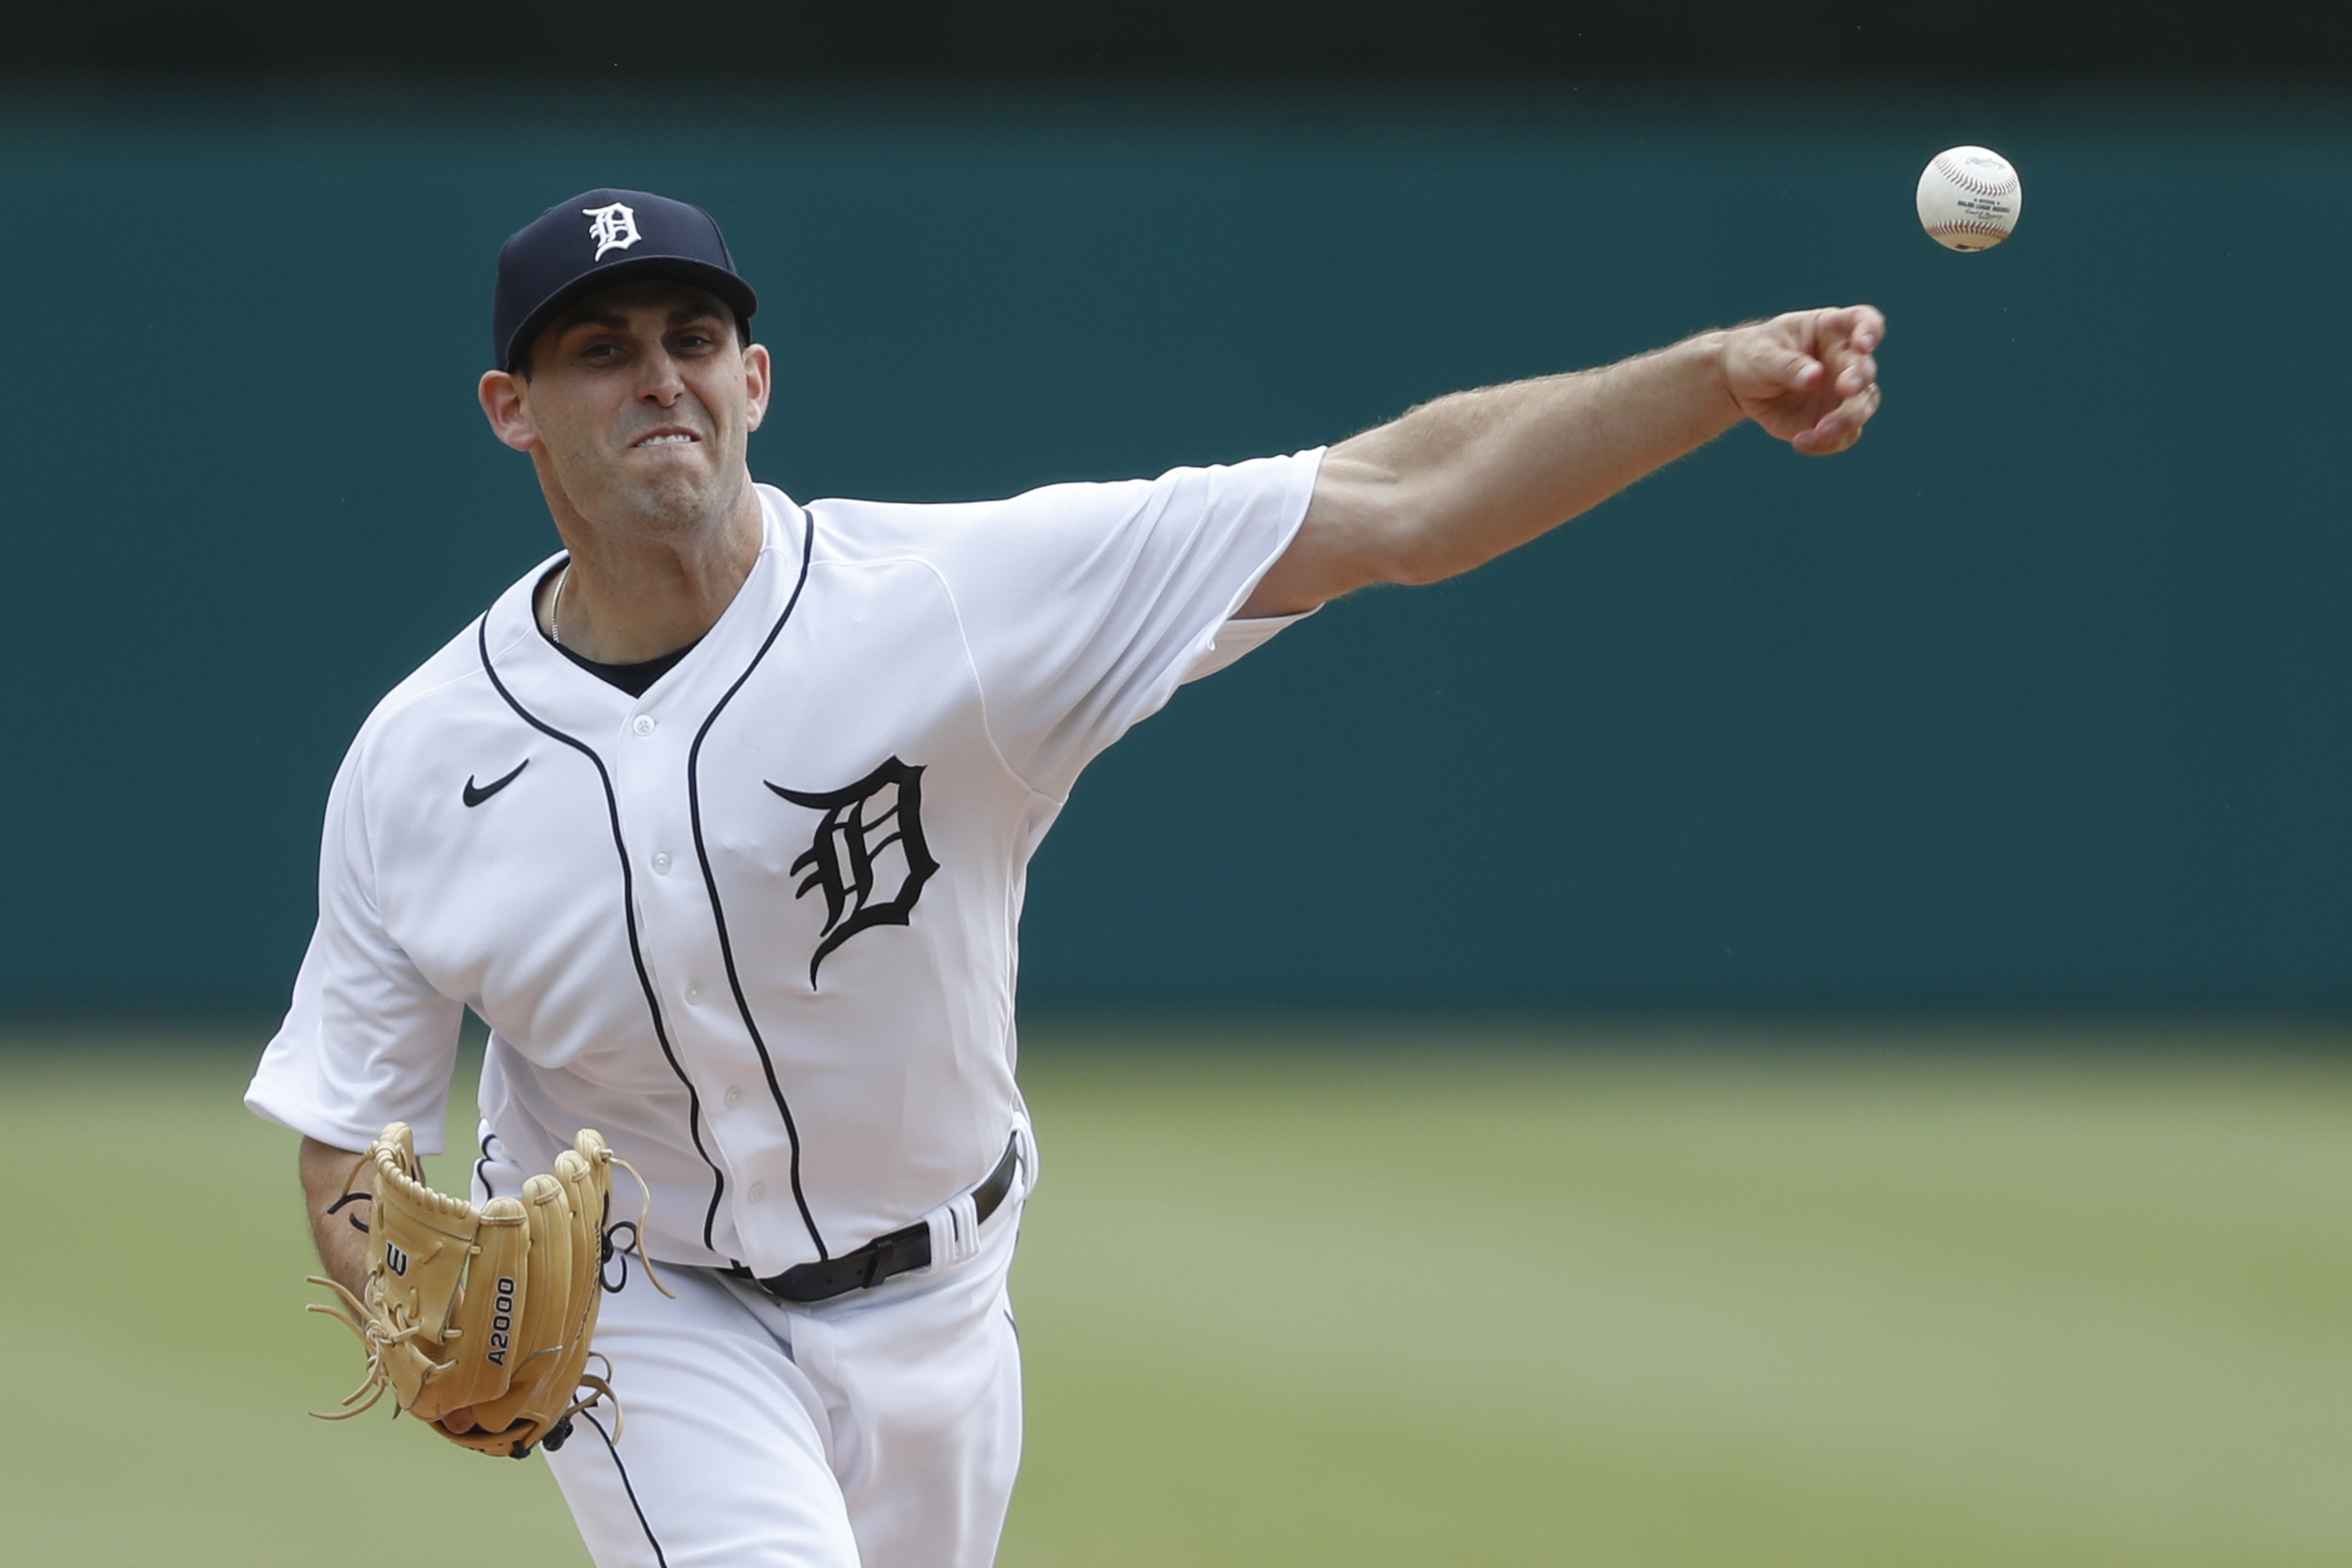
(880,1429)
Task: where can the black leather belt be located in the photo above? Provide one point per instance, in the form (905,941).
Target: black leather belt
(885,1256)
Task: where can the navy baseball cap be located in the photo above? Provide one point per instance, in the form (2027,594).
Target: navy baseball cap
(595,240)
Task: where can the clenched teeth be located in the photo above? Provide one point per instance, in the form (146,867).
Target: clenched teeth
(664,440)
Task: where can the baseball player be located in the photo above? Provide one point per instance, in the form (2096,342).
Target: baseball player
(720,816)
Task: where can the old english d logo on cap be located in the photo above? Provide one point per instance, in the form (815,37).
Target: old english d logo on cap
(597,239)
(614,228)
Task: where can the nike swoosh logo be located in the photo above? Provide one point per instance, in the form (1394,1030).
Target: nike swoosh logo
(475,796)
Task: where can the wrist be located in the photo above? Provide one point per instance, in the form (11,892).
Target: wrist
(1710,360)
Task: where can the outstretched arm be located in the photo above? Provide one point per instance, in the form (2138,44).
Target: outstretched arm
(1456,482)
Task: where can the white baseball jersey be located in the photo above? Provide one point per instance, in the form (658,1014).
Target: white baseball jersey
(757,926)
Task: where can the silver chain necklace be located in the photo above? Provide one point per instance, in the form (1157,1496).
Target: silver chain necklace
(555,608)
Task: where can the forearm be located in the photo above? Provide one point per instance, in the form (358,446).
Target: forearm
(1459,481)
(328,1175)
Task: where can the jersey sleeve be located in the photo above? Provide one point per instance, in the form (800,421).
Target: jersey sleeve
(1085,606)
(367,1040)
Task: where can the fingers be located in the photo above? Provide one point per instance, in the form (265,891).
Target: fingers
(1841,426)
(460,1419)
(1845,338)
(1809,377)
(1767,362)
(1794,370)
(1803,350)
(1859,328)
(1860,371)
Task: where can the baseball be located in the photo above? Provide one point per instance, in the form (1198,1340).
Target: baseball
(1968,198)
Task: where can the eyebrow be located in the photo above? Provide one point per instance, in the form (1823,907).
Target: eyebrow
(679,317)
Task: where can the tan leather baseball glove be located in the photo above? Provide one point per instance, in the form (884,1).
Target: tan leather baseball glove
(489,1311)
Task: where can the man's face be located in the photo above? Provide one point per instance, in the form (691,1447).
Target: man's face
(638,408)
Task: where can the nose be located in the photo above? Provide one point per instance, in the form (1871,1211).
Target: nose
(658,382)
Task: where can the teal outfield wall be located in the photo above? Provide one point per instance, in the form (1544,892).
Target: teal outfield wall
(2041,698)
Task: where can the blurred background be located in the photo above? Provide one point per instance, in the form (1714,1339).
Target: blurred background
(1800,1017)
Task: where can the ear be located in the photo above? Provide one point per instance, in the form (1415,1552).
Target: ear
(506,405)
(757,375)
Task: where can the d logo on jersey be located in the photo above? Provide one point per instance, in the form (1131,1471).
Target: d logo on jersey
(868,856)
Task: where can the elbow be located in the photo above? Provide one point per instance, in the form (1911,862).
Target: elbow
(1427,533)
(1415,553)
(1371,524)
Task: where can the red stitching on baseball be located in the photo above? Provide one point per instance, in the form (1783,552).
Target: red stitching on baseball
(1970,181)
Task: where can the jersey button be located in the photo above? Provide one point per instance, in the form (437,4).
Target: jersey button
(694,995)
(643,724)
(734,1099)
(759,1190)
(662,864)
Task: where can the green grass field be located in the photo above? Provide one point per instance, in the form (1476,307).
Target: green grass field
(1640,1302)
